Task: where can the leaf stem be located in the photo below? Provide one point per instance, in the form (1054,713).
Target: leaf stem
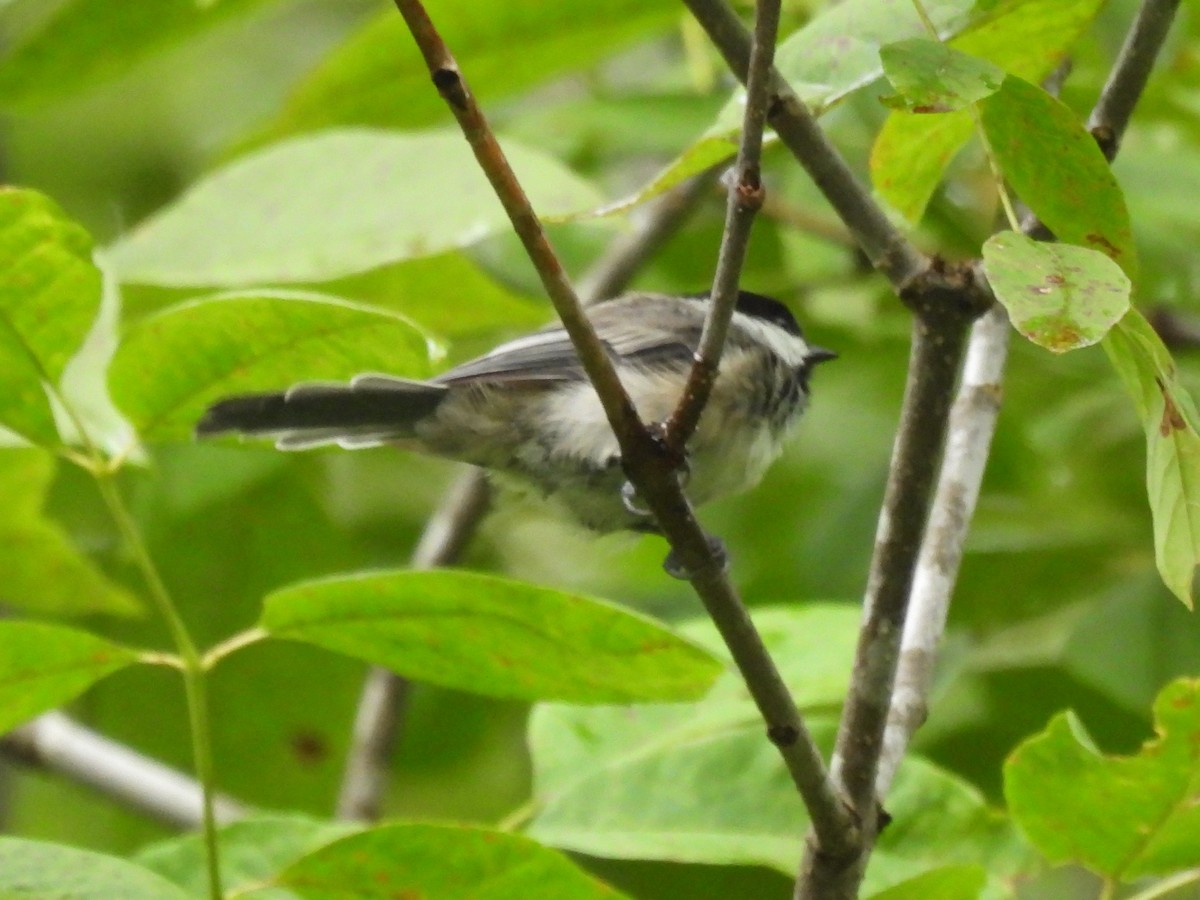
(195,689)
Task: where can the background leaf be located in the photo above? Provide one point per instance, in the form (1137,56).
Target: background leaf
(49,295)
(1056,168)
(171,366)
(645,783)
(1027,38)
(1124,817)
(35,869)
(947,883)
(934,78)
(90,41)
(492,636)
(377,77)
(44,666)
(1059,296)
(41,571)
(439,861)
(252,851)
(333,204)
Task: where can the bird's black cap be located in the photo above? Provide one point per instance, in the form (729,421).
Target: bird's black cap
(758,306)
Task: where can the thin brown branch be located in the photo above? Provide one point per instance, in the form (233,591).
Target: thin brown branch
(883,244)
(1128,78)
(746,194)
(381,705)
(650,470)
(635,441)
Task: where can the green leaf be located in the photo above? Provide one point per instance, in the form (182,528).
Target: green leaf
(576,748)
(934,78)
(40,570)
(49,296)
(476,305)
(333,204)
(1169,420)
(1059,296)
(832,56)
(441,862)
(92,41)
(252,851)
(1056,167)
(946,883)
(36,870)
(1027,38)
(377,77)
(171,366)
(44,666)
(910,155)
(674,804)
(492,636)
(837,53)
(646,783)
(1124,817)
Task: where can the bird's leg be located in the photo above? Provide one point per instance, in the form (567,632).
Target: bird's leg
(678,460)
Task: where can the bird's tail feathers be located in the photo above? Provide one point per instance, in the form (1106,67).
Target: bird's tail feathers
(367,411)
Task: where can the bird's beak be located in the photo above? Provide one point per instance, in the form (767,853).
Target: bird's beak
(819,355)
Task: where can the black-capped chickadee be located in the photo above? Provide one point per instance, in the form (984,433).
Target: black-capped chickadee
(527,413)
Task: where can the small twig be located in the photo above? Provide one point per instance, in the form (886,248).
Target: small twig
(635,441)
(884,245)
(384,694)
(650,470)
(1167,886)
(972,425)
(745,199)
(55,742)
(1127,81)
(378,720)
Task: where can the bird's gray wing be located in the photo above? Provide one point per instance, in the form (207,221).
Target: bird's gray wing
(549,356)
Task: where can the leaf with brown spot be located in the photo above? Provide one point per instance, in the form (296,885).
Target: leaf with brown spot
(1124,817)
(1059,296)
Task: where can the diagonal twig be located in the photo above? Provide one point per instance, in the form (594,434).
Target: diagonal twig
(746,194)
(886,248)
(650,469)
(379,716)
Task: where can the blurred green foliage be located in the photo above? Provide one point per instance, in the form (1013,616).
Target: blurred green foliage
(1058,605)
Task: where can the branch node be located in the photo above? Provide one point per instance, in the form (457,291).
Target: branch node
(783,735)
(1108,140)
(750,191)
(944,291)
(450,85)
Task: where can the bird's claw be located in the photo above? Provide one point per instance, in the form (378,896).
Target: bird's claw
(629,499)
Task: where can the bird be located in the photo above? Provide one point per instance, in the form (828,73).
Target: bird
(527,413)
